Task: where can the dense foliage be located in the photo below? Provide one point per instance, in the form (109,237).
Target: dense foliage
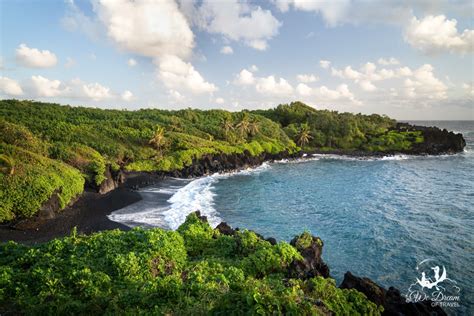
(327,130)
(192,271)
(58,148)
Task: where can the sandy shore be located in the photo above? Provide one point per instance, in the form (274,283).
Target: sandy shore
(88,214)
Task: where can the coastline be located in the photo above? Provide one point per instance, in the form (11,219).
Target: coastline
(90,213)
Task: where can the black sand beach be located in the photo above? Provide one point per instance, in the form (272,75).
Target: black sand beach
(88,214)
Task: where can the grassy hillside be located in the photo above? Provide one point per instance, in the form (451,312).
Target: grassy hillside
(47,148)
(192,271)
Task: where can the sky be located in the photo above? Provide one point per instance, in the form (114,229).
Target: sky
(406,59)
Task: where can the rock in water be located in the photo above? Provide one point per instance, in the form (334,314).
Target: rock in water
(393,303)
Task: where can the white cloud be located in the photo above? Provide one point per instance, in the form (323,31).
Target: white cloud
(324,64)
(220,101)
(227,50)
(253,68)
(175,96)
(96,91)
(326,95)
(44,87)
(177,74)
(127,96)
(367,85)
(332,11)
(388,62)
(148,28)
(34,58)
(272,86)
(244,77)
(303,89)
(367,74)
(434,34)
(235,20)
(404,72)
(132,62)
(424,84)
(10,86)
(306,78)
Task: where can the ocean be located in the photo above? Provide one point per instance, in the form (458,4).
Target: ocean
(378,217)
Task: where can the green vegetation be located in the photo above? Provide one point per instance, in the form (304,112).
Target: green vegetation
(192,271)
(328,130)
(47,148)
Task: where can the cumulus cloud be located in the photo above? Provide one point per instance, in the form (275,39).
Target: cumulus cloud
(127,96)
(433,34)
(424,84)
(235,20)
(147,28)
(132,62)
(44,87)
(96,91)
(10,86)
(324,94)
(273,86)
(307,78)
(35,58)
(324,64)
(366,75)
(227,50)
(244,77)
(158,30)
(220,100)
(175,96)
(177,74)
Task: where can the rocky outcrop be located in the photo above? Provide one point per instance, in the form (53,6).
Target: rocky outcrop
(391,300)
(112,181)
(436,141)
(311,249)
(212,163)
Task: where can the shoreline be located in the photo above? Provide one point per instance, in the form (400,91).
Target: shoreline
(90,212)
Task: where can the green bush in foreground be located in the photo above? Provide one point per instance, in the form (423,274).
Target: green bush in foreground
(194,270)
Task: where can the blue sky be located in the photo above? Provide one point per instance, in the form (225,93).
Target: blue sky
(406,59)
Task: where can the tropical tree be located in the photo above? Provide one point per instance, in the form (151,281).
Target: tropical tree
(244,126)
(158,140)
(304,135)
(227,125)
(7,164)
(254,128)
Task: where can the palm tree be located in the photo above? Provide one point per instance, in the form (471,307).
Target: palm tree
(158,140)
(7,164)
(227,126)
(254,128)
(304,135)
(244,126)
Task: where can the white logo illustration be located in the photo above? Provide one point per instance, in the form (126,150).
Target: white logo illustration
(439,289)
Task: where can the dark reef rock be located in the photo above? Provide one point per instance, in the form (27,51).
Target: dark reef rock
(225,229)
(209,164)
(436,141)
(312,264)
(391,300)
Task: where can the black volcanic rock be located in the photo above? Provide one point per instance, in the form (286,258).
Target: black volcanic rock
(436,141)
(225,229)
(393,303)
(312,264)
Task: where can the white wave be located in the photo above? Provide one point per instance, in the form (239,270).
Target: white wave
(196,195)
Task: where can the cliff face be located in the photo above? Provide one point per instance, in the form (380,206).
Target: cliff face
(435,140)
